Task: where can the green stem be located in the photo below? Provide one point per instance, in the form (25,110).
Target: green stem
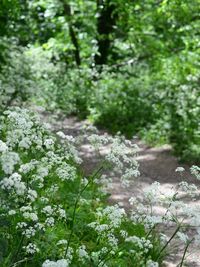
(106,258)
(150,231)
(164,247)
(18,250)
(185,251)
(76,204)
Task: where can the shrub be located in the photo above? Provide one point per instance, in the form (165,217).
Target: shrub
(16,78)
(159,102)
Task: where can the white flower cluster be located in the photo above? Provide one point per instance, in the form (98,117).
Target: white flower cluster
(151,263)
(98,140)
(176,211)
(28,192)
(120,155)
(55,211)
(69,143)
(58,263)
(195,170)
(3,146)
(190,189)
(142,243)
(114,216)
(109,220)
(82,253)
(28,167)
(20,130)
(66,172)
(31,248)
(28,213)
(14,182)
(8,161)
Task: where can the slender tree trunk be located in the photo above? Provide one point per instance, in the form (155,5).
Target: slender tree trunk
(74,39)
(105,23)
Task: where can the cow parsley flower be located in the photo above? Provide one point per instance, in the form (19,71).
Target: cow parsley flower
(3,146)
(82,253)
(31,248)
(29,232)
(49,143)
(11,212)
(14,182)
(195,170)
(151,263)
(179,169)
(8,161)
(31,195)
(48,210)
(62,242)
(58,263)
(50,221)
(66,172)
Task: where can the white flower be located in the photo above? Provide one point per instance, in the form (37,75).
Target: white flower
(82,253)
(62,242)
(59,263)
(114,214)
(29,232)
(132,201)
(142,243)
(179,169)
(190,189)
(53,189)
(42,171)
(21,225)
(30,216)
(66,172)
(62,213)
(12,212)
(48,210)
(195,170)
(61,134)
(14,182)
(27,167)
(25,143)
(152,193)
(113,241)
(32,195)
(151,263)
(49,143)
(50,221)
(123,233)
(31,248)
(3,146)
(8,161)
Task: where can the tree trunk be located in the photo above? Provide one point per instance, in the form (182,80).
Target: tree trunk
(74,39)
(105,24)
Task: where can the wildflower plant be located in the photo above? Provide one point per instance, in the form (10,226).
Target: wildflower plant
(176,213)
(51,213)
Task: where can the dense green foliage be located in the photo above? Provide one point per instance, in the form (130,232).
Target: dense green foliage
(131,67)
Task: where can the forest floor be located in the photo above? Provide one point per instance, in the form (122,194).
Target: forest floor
(156,164)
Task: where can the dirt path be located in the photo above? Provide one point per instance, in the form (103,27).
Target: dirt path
(156,164)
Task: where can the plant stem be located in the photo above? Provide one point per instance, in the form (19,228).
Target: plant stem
(164,247)
(75,206)
(185,251)
(18,250)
